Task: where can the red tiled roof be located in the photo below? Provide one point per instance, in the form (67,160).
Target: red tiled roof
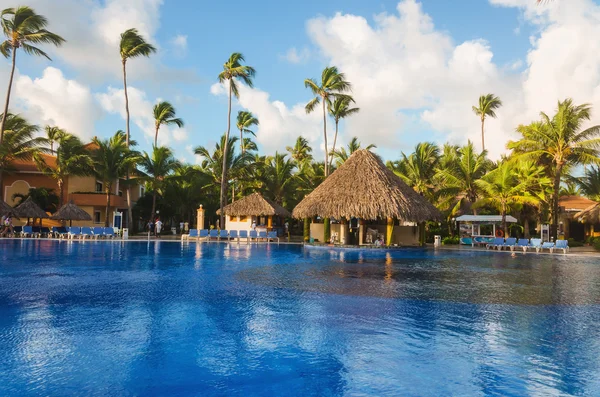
(30,165)
(578,203)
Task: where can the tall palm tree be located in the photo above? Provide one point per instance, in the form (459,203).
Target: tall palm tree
(487,106)
(72,159)
(561,142)
(245,121)
(279,178)
(22,28)
(20,143)
(132,45)
(342,154)
(164,114)
(158,166)
(111,159)
(333,84)
(340,110)
(589,183)
(54,135)
(418,169)
(233,70)
(300,152)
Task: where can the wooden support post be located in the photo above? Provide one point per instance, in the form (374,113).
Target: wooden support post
(306,230)
(389,232)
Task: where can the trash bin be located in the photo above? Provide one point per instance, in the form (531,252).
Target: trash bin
(174,230)
(125,233)
(437,241)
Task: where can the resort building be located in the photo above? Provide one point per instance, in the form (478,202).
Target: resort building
(570,224)
(366,202)
(85,191)
(256,210)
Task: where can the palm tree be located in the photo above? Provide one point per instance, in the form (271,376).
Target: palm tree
(278,178)
(23,26)
(561,142)
(589,183)
(300,152)
(164,114)
(42,196)
(245,120)
(418,169)
(111,159)
(232,71)
(20,143)
(132,45)
(340,110)
(72,159)
(342,155)
(158,168)
(53,135)
(333,85)
(487,106)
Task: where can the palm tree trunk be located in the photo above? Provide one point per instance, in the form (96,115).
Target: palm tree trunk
(504,226)
(242,148)
(108,189)
(554,225)
(156,136)
(128,189)
(334,141)
(526,233)
(6,102)
(325,138)
(223,200)
(61,192)
(482,134)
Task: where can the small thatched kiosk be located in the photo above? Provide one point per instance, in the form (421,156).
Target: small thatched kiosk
(590,217)
(70,212)
(264,213)
(29,209)
(6,210)
(363,188)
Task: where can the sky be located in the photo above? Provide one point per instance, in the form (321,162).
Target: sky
(417,68)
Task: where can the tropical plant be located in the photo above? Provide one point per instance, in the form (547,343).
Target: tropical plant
(487,106)
(132,45)
(342,154)
(300,152)
(44,197)
(340,110)
(111,159)
(159,167)
(333,85)
(164,114)
(72,159)
(419,168)
(22,28)
(561,142)
(589,183)
(245,121)
(232,71)
(278,178)
(53,135)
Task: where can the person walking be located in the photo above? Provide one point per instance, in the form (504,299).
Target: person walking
(157,227)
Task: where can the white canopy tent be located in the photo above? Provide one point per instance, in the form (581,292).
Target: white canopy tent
(476,221)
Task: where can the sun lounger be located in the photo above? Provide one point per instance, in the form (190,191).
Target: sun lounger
(223,234)
(547,245)
(193,233)
(536,243)
(60,231)
(243,234)
(213,233)
(510,243)
(561,245)
(27,231)
(203,234)
(262,235)
(523,243)
(272,236)
(17,230)
(253,235)
(74,231)
(233,234)
(36,232)
(86,232)
(98,232)
(109,232)
(45,232)
(498,241)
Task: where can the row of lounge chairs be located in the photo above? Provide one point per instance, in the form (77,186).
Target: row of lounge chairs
(214,234)
(523,243)
(65,232)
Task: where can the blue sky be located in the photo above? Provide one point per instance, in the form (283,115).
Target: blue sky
(475,47)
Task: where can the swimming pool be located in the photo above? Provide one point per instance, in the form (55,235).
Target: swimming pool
(137,318)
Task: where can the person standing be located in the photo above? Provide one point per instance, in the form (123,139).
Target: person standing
(157,227)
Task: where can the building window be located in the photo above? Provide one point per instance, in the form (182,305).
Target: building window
(243,218)
(232,218)
(97,218)
(142,191)
(99,187)
(120,193)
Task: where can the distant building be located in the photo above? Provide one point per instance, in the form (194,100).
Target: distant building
(567,224)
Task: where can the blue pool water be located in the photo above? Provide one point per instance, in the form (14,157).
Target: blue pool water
(137,318)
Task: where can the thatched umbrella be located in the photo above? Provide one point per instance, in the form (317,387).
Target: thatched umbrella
(29,209)
(589,215)
(70,212)
(6,210)
(363,187)
(255,204)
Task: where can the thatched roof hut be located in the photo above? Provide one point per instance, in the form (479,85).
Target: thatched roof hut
(589,215)
(364,187)
(255,204)
(71,212)
(6,210)
(29,209)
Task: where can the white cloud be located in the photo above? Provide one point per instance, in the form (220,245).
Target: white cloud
(294,56)
(56,100)
(180,41)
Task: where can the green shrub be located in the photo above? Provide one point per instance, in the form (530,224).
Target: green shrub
(451,240)
(573,243)
(596,244)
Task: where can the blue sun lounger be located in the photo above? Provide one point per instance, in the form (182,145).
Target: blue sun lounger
(243,234)
(262,235)
(109,232)
(547,245)
(213,233)
(86,232)
(60,232)
(523,243)
(233,234)
(203,234)
(74,231)
(193,233)
(98,232)
(253,235)
(561,245)
(498,242)
(27,231)
(272,236)
(223,234)
(510,243)
(536,243)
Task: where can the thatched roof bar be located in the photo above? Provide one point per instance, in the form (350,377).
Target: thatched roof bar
(71,212)
(255,205)
(29,209)
(6,210)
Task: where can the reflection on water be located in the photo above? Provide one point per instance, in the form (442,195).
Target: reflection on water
(227,319)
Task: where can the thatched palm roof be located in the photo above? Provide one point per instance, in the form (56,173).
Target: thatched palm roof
(6,210)
(364,187)
(255,204)
(591,214)
(71,212)
(29,209)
